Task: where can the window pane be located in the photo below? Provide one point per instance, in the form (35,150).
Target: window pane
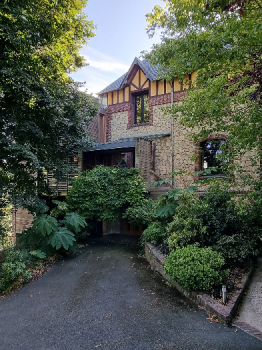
(146,109)
(211,154)
(138,109)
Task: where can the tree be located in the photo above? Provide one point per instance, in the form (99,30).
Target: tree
(222,40)
(43,113)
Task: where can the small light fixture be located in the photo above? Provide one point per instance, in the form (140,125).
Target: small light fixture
(75,159)
(224,294)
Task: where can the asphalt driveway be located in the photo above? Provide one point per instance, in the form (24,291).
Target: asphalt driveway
(107,298)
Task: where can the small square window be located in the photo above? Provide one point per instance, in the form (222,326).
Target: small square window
(141,108)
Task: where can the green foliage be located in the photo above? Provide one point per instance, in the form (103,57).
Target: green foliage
(168,203)
(13,268)
(142,215)
(44,225)
(155,233)
(33,241)
(226,97)
(5,222)
(196,268)
(43,113)
(62,238)
(38,254)
(74,222)
(47,232)
(187,226)
(103,192)
(221,222)
(60,210)
(240,247)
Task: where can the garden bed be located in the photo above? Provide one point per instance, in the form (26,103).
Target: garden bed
(238,279)
(36,273)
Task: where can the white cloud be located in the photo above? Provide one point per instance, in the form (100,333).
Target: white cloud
(101,71)
(107,66)
(103,62)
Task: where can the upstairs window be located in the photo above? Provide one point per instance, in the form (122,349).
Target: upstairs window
(141,108)
(211,155)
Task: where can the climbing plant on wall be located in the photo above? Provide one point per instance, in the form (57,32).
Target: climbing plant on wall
(103,192)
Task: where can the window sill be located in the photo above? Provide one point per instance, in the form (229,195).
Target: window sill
(204,177)
(139,124)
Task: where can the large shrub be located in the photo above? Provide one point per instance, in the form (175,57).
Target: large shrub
(229,223)
(196,268)
(155,233)
(13,268)
(240,247)
(187,225)
(49,234)
(103,192)
(141,215)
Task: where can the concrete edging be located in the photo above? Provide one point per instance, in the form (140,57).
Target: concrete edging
(225,313)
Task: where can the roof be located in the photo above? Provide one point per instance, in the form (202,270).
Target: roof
(113,145)
(149,70)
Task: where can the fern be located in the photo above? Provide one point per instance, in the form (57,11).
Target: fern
(62,238)
(45,225)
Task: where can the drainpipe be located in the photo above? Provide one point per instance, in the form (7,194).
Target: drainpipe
(172,136)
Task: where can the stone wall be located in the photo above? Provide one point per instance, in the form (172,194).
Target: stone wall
(183,146)
(121,124)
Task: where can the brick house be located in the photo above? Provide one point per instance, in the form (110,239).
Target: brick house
(131,127)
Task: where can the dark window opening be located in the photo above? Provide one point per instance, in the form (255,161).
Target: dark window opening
(141,108)
(211,151)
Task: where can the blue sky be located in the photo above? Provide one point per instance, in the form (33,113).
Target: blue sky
(120,36)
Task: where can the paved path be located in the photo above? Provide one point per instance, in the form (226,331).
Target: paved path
(250,316)
(107,298)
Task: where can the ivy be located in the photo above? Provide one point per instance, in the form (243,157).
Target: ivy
(103,192)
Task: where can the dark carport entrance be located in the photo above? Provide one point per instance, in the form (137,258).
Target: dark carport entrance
(120,153)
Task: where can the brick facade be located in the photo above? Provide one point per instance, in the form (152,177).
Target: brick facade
(120,123)
(21,220)
(93,128)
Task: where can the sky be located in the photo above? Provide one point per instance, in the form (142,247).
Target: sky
(120,37)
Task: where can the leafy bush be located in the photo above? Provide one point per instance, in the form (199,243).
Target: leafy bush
(240,247)
(47,232)
(196,268)
(103,192)
(187,225)
(155,233)
(142,215)
(5,222)
(168,202)
(13,268)
(230,225)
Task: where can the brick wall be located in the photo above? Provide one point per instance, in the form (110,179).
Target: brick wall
(21,220)
(121,124)
(93,128)
(143,158)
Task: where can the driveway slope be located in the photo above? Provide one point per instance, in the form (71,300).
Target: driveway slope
(107,298)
